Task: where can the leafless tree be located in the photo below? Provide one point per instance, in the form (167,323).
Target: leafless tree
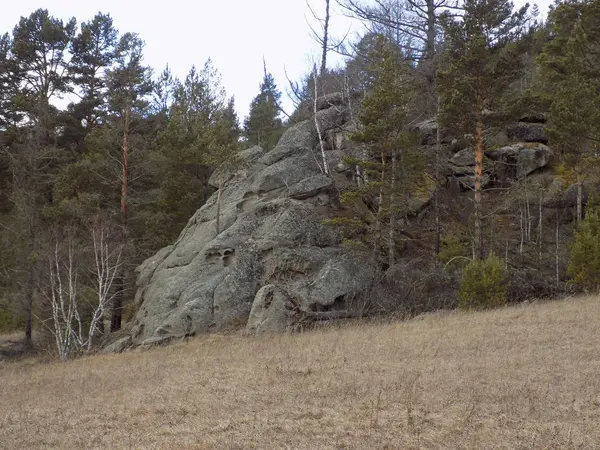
(414,25)
(415,22)
(317,124)
(66,323)
(323,37)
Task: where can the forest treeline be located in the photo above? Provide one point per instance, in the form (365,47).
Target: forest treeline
(90,190)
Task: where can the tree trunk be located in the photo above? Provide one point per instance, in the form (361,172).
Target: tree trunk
(379,212)
(430,56)
(29,304)
(325,39)
(318,126)
(579,199)
(430,30)
(392,234)
(117,306)
(479,149)
(438,229)
(556,252)
(540,229)
(522,228)
(528,210)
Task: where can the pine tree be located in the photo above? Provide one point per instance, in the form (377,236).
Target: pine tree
(186,151)
(128,88)
(483,284)
(163,93)
(263,126)
(480,63)
(394,171)
(93,53)
(38,63)
(570,66)
(9,83)
(584,268)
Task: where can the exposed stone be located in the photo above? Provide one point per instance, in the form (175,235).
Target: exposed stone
(521,159)
(329,100)
(118,346)
(527,132)
(272,231)
(269,312)
(465,157)
(495,137)
(428,131)
(568,198)
(468,181)
(246,158)
(459,144)
(310,187)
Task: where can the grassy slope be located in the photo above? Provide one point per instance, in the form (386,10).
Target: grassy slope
(524,377)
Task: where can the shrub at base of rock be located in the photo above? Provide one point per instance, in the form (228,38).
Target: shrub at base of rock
(483,284)
(412,287)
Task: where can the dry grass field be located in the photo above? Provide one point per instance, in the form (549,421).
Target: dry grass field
(525,377)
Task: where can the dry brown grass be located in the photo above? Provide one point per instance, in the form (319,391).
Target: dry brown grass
(526,377)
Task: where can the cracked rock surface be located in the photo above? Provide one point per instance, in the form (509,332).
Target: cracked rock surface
(272,249)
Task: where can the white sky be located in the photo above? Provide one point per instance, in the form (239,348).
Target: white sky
(234,33)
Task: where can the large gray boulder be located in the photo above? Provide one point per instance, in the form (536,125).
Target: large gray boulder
(270,311)
(527,132)
(272,254)
(519,160)
(509,162)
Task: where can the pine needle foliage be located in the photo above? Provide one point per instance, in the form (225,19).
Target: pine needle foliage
(584,268)
(483,284)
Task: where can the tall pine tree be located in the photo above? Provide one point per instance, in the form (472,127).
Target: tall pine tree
(394,172)
(263,126)
(479,64)
(570,66)
(39,53)
(129,85)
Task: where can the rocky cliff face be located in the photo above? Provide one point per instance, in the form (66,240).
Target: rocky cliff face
(272,258)
(273,261)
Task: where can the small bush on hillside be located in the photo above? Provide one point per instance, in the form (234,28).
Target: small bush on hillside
(483,284)
(584,269)
(452,254)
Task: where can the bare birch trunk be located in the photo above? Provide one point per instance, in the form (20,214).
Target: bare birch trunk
(522,228)
(318,126)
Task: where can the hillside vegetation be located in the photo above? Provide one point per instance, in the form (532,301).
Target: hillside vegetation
(518,377)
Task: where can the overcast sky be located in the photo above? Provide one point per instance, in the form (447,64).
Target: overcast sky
(236,34)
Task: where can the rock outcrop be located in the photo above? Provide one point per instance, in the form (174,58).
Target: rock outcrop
(272,258)
(505,163)
(273,261)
